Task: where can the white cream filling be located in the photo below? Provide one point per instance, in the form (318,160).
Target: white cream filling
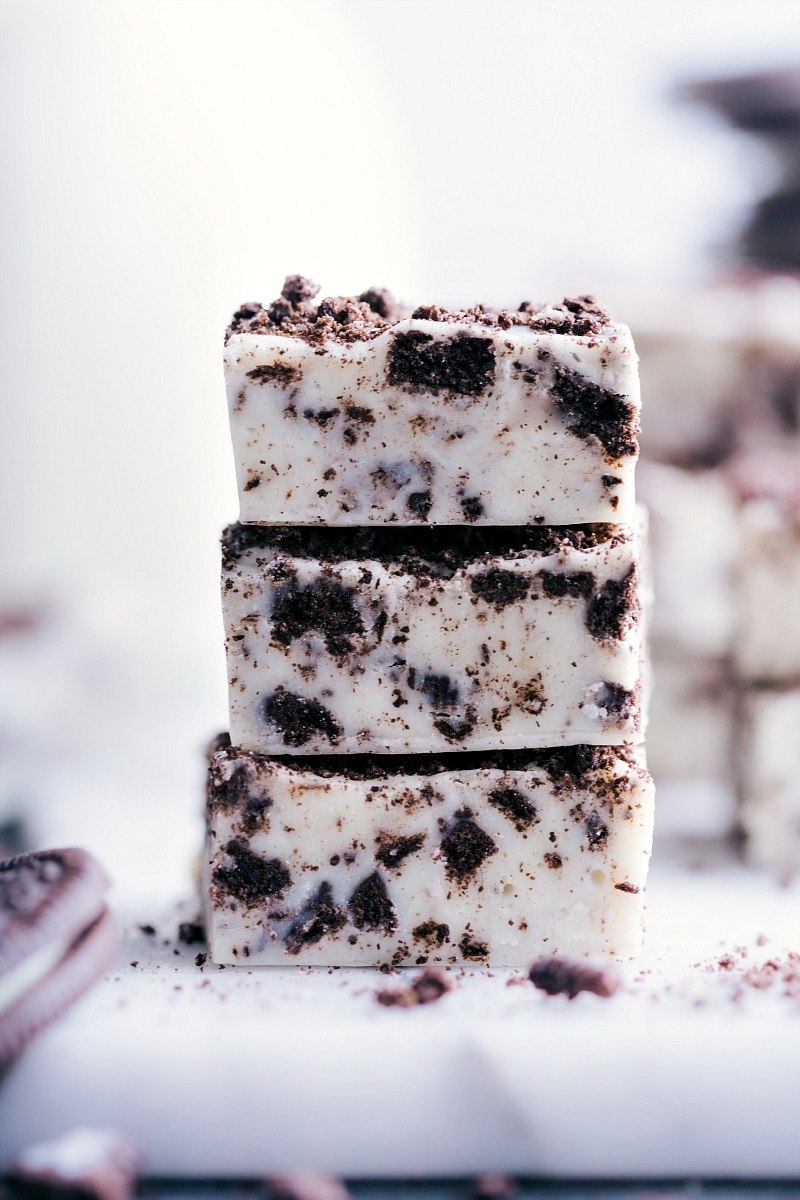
(20,979)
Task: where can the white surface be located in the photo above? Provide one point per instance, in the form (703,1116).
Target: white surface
(236,1072)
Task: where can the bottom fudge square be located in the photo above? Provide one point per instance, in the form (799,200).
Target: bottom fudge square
(485,858)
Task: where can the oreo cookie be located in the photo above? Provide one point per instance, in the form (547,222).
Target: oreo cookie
(56,938)
(90,1163)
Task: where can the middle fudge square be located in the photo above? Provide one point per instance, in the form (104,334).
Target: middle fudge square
(423,641)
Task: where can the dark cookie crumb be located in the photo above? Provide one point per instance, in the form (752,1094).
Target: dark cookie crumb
(392,848)
(319,918)
(298,719)
(631,888)
(530,696)
(191,933)
(596,831)
(593,412)
(472,949)
(200,959)
(225,791)
(614,609)
(554,861)
(433,932)
(322,416)
(465,848)
(278,372)
(578,316)
(370,906)
(456,729)
(512,804)
(556,584)
(382,302)
(440,691)
(472,508)
(461,364)
(324,606)
(427,988)
(419,504)
(617,701)
(563,976)
(251,878)
(500,587)
(360,415)
(220,741)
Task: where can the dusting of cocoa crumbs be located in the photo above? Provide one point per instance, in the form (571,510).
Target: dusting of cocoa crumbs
(362,318)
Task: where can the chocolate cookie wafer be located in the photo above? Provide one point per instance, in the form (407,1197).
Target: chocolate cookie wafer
(56,938)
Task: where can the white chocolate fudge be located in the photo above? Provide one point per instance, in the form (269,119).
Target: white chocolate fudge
(720,368)
(431,640)
(691,382)
(767,643)
(769,813)
(460,858)
(694,536)
(690,746)
(352,412)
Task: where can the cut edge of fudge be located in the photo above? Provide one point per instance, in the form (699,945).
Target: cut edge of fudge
(489,859)
(302,630)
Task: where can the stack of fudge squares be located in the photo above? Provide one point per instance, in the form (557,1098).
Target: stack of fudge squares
(434,607)
(720,474)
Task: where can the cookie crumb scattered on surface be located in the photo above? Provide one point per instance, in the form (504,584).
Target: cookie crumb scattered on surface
(306,1185)
(563,976)
(431,985)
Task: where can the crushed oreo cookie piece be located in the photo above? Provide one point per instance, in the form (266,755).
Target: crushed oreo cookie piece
(427,988)
(299,719)
(191,933)
(568,977)
(594,412)
(319,919)
(249,877)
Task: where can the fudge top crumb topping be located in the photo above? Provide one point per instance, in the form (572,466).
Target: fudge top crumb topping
(347,319)
(434,550)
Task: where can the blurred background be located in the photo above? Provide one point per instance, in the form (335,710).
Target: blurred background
(166,160)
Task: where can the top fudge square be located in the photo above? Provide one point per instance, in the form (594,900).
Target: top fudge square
(354,411)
